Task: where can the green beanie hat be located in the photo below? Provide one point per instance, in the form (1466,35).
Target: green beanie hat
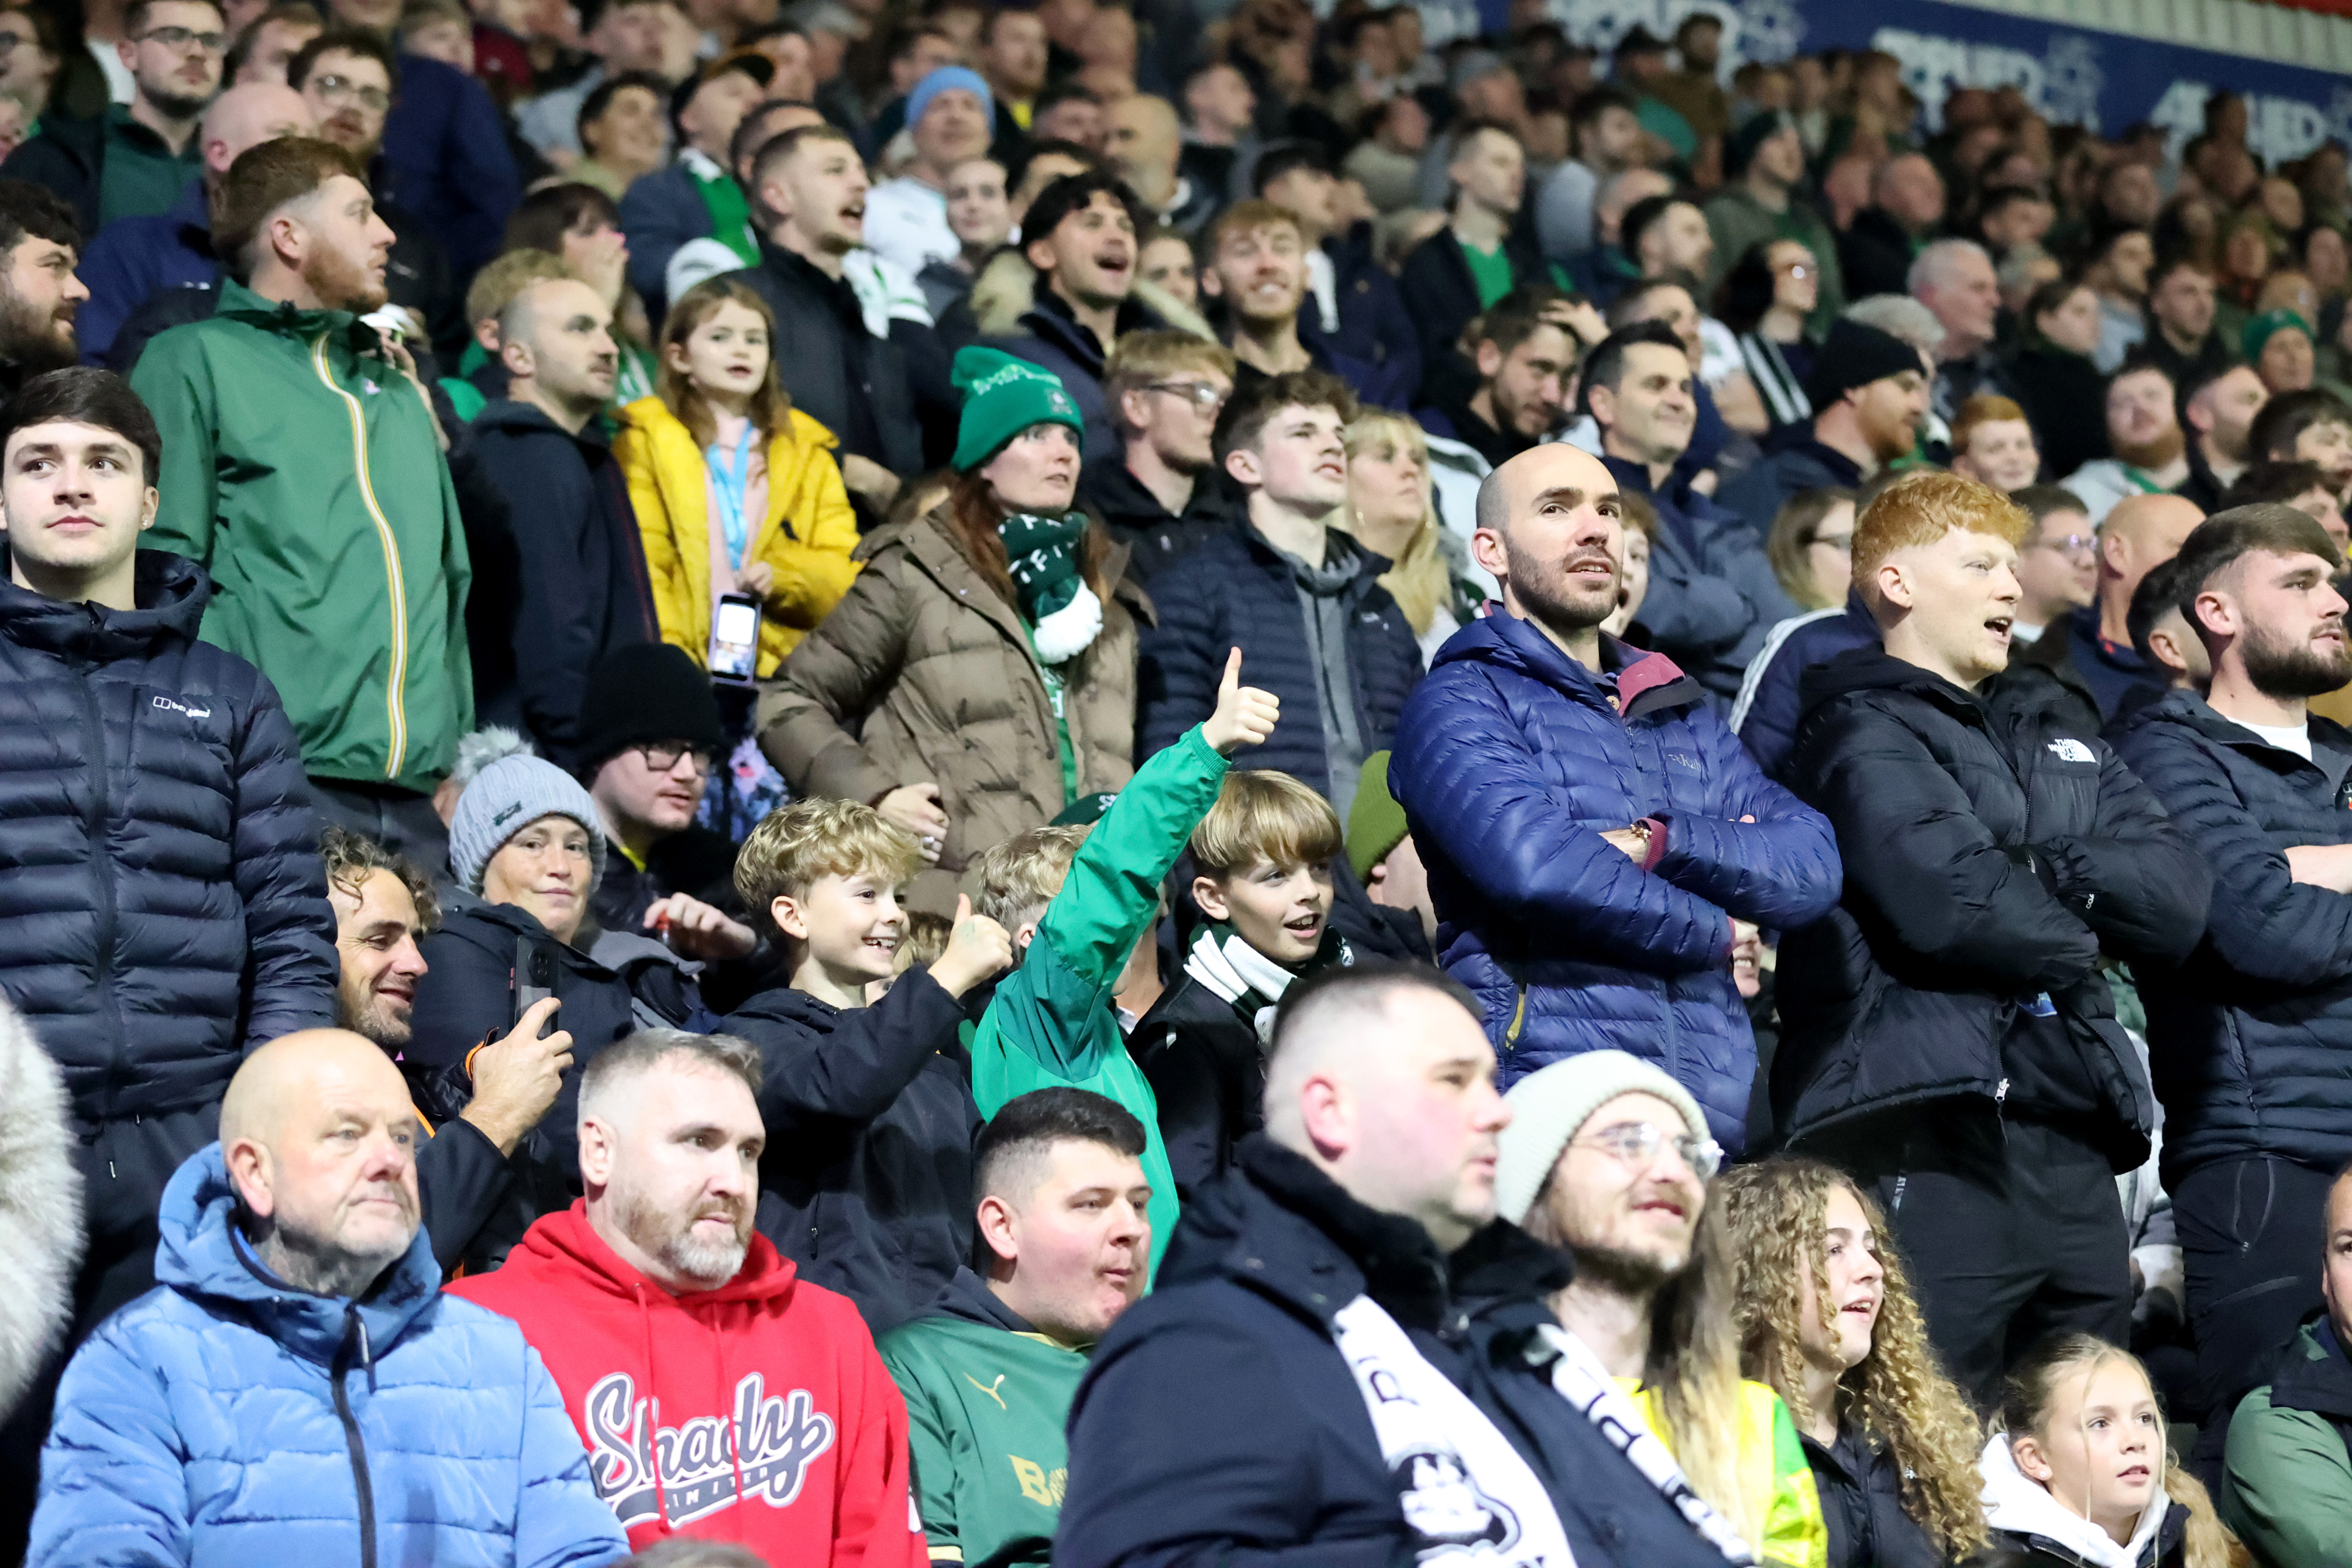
(1375,821)
(2260,331)
(1002,397)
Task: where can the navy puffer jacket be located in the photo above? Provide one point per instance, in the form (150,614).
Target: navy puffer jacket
(1236,591)
(2248,1041)
(1510,761)
(161,906)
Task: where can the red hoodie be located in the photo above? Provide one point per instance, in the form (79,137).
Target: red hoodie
(758,1412)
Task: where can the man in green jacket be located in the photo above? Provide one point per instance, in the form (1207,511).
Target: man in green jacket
(303,470)
(989,1372)
(1765,159)
(2286,1488)
(1076,918)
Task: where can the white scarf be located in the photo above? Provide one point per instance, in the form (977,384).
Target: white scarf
(1239,975)
(1468,1497)
(1578,1377)
(2018,1505)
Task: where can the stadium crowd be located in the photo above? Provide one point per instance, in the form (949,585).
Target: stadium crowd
(1484,802)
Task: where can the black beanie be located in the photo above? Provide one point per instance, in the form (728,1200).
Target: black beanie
(1739,150)
(1855,355)
(648,692)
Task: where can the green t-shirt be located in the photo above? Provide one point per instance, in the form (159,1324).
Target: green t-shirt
(1489,269)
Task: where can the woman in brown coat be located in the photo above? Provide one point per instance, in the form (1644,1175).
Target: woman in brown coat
(980,675)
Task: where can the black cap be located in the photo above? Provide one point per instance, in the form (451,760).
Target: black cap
(648,692)
(1641,41)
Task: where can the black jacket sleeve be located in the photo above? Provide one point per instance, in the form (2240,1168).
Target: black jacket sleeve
(555,639)
(460,1177)
(2133,879)
(856,1071)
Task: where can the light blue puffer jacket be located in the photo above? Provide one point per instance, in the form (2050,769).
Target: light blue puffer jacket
(225,1418)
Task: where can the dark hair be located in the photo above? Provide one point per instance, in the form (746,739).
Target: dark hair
(1605,365)
(1019,169)
(2043,500)
(2272,480)
(2008,197)
(594,106)
(2171,261)
(2048,297)
(1747,288)
(2220,541)
(1640,217)
(83,394)
(1626,309)
(2157,592)
(749,137)
(28,210)
(996,14)
(134,18)
(263,179)
(1284,157)
(976,521)
(1366,985)
(1067,90)
(2107,236)
(1517,316)
(552,212)
(1028,1125)
(2284,419)
(1249,410)
(776,149)
(1599,101)
(2139,362)
(300,12)
(1074,193)
(352,857)
(341,41)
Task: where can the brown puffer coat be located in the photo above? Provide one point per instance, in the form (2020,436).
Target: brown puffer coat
(924,672)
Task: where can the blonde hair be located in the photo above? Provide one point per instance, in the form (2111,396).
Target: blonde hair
(771,408)
(504,277)
(1417,578)
(927,938)
(798,844)
(1776,1211)
(1020,876)
(1138,359)
(2026,1410)
(1922,507)
(1261,814)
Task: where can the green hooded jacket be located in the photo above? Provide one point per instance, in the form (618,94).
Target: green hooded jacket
(306,479)
(1052,1022)
(2286,1487)
(987,1400)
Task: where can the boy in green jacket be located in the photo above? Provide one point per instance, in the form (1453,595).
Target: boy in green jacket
(989,1374)
(1077,900)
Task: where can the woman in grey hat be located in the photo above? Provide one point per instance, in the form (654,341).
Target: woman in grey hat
(526,846)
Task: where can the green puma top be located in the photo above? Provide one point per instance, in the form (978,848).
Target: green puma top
(987,1400)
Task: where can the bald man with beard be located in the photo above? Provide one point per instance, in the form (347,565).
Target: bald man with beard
(2088,656)
(298,1389)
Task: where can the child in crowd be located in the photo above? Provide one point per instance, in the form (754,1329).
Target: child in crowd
(1826,1316)
(1992,443)
(1077,901)
(2079,1473)
(866,1180)
(1261,862)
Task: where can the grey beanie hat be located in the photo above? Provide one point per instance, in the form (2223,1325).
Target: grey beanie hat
(1548,1106)
(507,798)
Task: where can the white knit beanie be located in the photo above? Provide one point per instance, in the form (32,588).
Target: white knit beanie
(1550,1106)
(507,798)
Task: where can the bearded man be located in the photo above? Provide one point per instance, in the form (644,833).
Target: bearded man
(303,469)
(721,1396)
(2247,1038)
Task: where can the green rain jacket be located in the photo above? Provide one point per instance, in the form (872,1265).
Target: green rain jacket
(1051,1023)
(305,477)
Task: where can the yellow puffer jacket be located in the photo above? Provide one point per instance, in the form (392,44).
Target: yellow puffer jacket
(668,488)
(1773,1473)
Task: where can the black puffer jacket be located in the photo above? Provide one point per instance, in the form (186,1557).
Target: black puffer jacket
(2249,1039)
(161,906)
(1860,1488)
(1236,591)
(1990,850)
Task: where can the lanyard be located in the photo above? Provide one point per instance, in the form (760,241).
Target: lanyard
(728,485)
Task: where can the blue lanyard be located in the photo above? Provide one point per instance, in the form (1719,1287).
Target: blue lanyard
(730,484)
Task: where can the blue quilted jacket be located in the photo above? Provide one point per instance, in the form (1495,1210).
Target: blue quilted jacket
(1510,763)
(228,1418)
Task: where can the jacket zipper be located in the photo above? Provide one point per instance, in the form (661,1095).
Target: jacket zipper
(1519,1022)
(395,709)
(357,1445)
(94,820)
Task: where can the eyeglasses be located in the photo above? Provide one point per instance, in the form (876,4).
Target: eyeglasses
(1840,543)
(179,39)
(662,755)
(2069,544)
(338,90)
(1637,1144)
(1201,395)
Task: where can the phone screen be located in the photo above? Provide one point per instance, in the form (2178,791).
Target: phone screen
(735,638)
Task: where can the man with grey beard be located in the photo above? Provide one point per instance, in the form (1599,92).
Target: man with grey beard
(720,1394)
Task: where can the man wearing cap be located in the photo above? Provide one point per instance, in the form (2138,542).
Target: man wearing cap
(696,197)
(1608,1159)
(1765,159)
(2278,346)
(1869,391)
(951,117)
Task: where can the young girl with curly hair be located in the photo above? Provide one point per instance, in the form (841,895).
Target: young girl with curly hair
(1825,1316)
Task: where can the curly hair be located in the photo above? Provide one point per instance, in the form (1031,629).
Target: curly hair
(1776,1211)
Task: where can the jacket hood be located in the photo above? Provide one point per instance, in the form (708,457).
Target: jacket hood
(203,1255)
(1002,292)
(528,419)
(967,1299)
(1646,682)
(782,1005)
(568,1247)
(170,590)
(495,926)
(2018,1505)
(1875,669)
(242,304)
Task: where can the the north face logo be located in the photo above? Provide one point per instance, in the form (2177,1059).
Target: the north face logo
(2071,751)
(772,1439)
